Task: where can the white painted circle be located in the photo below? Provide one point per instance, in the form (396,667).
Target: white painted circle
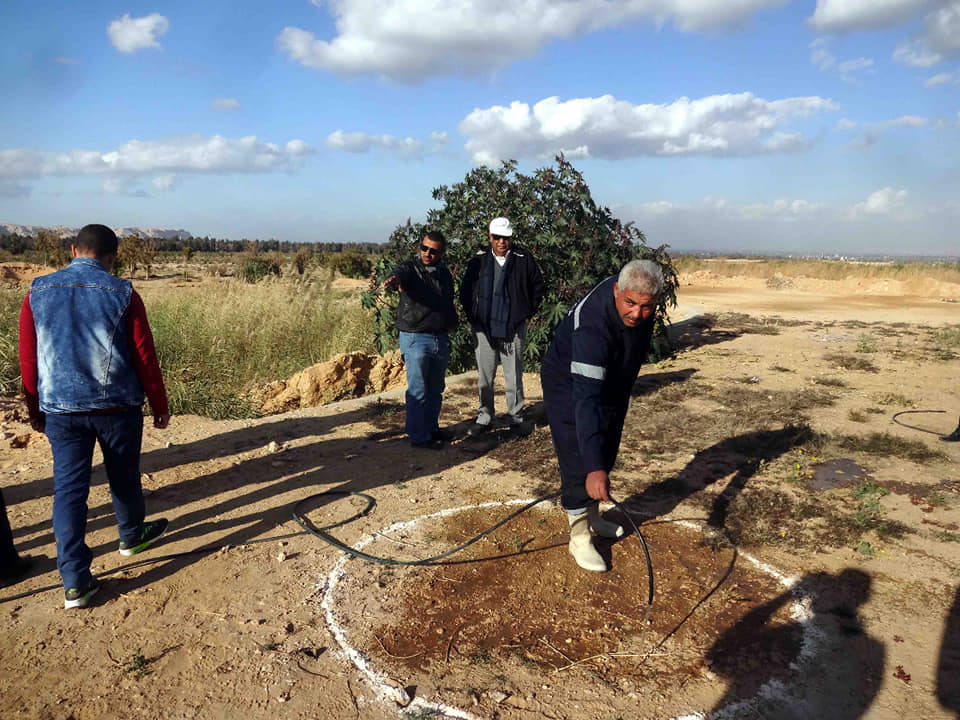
(389,691)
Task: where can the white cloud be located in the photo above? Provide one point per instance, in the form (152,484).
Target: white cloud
(360,142)
(130,34)
(872,132)
(225,104)
(608,128)
(886,201)
(409,40)
(824,60)
(114,186)
(821,58)
(164,182)
(849,66)
(187,153)
(939,79)
(938,41)
(845,15)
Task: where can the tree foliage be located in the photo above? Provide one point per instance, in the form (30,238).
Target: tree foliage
(254,266)
(52,249)
(135,252)
(577,243)
(350,263)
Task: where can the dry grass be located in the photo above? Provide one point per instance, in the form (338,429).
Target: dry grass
(887,445)
(850,362)
(217,339)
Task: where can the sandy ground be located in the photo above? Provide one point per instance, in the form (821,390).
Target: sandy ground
(800,571)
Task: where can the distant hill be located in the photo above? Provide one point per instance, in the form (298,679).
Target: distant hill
(64,231)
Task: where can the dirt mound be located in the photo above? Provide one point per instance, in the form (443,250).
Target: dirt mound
(22,273)
(346,376)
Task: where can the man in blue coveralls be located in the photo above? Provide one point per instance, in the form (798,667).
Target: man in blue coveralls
(587,375)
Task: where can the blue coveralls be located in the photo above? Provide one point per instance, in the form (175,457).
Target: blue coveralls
(587,377)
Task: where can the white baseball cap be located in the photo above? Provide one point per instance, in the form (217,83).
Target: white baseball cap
(501,226)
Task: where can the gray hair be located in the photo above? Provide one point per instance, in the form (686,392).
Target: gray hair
(641,276)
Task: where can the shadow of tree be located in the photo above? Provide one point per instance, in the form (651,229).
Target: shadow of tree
(697,332)
(649,383)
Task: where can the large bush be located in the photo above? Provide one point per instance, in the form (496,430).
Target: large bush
(135,252)
(254,266)
(577,243)
(351,264)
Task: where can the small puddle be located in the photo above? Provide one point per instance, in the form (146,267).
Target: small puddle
(836,473)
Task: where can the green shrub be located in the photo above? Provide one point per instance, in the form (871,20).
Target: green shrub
(255,267)
(577,243)
(351,264)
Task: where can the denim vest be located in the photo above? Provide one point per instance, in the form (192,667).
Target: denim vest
(84,360)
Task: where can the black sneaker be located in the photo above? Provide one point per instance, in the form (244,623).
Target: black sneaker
(952,437)
(149,534)
(80,597)
(441,435)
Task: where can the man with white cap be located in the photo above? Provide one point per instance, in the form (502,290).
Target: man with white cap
(501,290)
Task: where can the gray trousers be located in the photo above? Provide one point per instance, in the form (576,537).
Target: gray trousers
(510,357)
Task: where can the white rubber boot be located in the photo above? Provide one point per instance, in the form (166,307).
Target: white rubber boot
(581,544)
(603,528)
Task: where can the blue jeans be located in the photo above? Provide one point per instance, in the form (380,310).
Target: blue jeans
(72,437)
(425,356)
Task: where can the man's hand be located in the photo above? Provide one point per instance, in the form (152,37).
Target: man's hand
(39,422)
(393,282)
(598,485)
(161,421)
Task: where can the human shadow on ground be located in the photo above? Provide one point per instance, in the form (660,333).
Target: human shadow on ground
(649,383)
(823,665)
(697,332)
(948,667)
(344,464)
(741,455)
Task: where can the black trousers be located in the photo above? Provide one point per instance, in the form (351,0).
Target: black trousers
(8,554)
(558,402)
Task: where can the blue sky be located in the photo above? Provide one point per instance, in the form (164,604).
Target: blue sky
(758,125)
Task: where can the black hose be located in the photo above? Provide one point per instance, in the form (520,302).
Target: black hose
(434,560)
(914,427)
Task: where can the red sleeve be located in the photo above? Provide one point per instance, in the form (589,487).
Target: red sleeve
(28,358)
(145,356)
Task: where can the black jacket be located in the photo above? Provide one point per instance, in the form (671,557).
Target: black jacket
(589,370)
(426,298)
(524,286)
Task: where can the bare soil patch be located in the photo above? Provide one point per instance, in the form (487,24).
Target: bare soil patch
(732,451)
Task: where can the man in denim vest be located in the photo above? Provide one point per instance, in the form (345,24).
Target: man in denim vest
(86,358)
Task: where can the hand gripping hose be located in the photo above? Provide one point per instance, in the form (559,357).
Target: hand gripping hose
(302,521)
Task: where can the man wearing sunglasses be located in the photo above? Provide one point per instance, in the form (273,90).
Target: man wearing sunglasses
(501,290)
(425,314)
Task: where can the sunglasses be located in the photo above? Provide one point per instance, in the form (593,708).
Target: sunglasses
(430,250)
(501,237)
